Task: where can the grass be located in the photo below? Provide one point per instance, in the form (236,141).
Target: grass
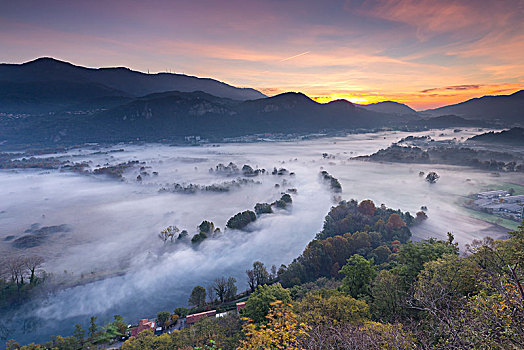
(494,219)
(519,189)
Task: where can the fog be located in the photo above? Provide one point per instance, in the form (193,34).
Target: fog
(113,225)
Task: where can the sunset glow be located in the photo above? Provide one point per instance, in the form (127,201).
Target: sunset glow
(423,53)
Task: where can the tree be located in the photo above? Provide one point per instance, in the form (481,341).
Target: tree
(330,308)
(163,316)
(251,281)
(146,340)
(32,263)
(210,293)
(367,207)
(120,325)
(206,227)
(79,333)
(198,296)
(282,331)
(432,177)
(257,276)
(181,311)
(358,274)
(241,220)
(263,208)
(225,289)
(388,296)
(220,287)
(14,266)
(380,254)
(231,288)
(260,272)
(273,273)
(421,216)
(257,306)
(441,287)
(198,238)
(183,234)
(413,256)
(168,233)
(286,197)
(93,328)
(395,222)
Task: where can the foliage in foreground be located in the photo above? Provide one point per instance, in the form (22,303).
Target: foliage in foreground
(423,296)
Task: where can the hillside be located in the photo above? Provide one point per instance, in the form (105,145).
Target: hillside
(513,136)
(48,85)
(504,108)
(173,115)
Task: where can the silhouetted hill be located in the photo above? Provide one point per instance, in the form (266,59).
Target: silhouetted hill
(40,97)
(199,113)
(46,85)
(389,107)
(504,108)
(513,136)
(173,115)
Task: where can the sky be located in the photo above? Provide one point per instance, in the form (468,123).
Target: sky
(425,53)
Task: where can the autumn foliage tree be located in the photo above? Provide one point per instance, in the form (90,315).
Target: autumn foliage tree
(367,207)
(395,222)
(282,330)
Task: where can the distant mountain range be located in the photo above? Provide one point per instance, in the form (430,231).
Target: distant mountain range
(389,107)
(508,109)
(173,115)
(49,101)
(48,85)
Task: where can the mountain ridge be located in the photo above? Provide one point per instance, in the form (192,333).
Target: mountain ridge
(127,81)
(505,108)
(388,107)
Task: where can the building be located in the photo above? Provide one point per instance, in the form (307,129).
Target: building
(240,306)
(192,319)
(514,199)
(514,210)
(142,326)
(492,194)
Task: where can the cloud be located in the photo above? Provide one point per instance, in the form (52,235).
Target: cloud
(455,87)
(377,47)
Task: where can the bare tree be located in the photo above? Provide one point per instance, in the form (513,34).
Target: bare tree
(220,287)
(15,268)
(211,293)
(251,280)
(32,263)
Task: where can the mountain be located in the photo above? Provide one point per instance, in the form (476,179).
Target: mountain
(507,109)
(173,115)
(389,107)
(180,114)
(48,85)
(513,136)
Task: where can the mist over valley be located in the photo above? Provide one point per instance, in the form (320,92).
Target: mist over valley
(106,256)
